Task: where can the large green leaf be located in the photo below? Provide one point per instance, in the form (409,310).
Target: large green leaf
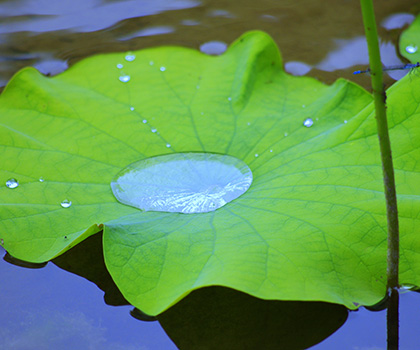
(312,226)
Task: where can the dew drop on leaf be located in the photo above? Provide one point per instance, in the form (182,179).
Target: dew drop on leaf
(119,66)
(162,69)
(411,49)
(124,78)
(130,57)
(308,122)
(41,179)
(182,182)
(66,203)
(12,183)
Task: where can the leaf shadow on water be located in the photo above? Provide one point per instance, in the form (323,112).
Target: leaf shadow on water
(213,317)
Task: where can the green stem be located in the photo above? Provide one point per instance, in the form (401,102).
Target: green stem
(379,97)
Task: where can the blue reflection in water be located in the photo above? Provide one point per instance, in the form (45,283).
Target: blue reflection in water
(51,309)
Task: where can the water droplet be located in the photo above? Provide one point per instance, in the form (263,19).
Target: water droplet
(153,130)
(119,66)
(65,237)
(256,154)
(345,122)
(248,123)
(197,87)
(12,183)
(182,182)
(408,287)
(162,69)
(131,108)
(271,151)
(130,57)
(308,122)
(144,121)
(168,145)
(229,98)
(41,179)
(151,63)
(124,78)
(66,203)
(285,134)
(202,113)
(303,106)
(411,49)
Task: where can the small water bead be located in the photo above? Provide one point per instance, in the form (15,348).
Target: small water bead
(12,183)
(345,122)
(124,78)
(154,130)
(285,134)
(271,151)
(411,49)
(151,63)
(168,145)
(162,69)
(66,203)
(256,155)
(248,123)
(131,108)
(41,179)
(229,98)
(144,121)
(119,66)
(308,122)
(130,57)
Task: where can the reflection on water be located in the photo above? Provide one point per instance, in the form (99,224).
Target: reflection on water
(55,310)
(48,308)
(52,34)
(80,16)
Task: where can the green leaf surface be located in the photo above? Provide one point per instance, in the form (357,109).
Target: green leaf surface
(312,226)
(409,44)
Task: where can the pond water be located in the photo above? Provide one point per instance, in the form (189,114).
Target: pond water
(49,308)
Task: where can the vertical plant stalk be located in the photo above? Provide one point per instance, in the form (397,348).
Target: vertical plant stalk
(379,97)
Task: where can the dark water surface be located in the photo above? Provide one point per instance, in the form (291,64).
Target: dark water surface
(49,308)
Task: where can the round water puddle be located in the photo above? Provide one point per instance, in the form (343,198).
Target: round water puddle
(182,182)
